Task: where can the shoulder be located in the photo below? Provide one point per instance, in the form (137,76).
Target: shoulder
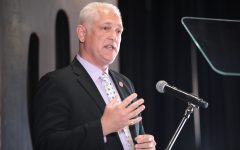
(59,73)
(56,77)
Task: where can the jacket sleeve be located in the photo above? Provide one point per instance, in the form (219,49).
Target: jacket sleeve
(51,122)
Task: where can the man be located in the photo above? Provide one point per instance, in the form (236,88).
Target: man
(73,109)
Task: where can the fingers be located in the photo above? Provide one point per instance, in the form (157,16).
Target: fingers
(145,146)
(131,107)
(144,138)
(135,108)
(145,142)
(128,100)
(118,115)
(132,110)
(136,104)
(134,121)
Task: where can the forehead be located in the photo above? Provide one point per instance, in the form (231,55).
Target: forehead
(107,16)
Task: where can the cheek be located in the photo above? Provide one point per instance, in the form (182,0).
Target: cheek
(119,41)
(98,41)
(95,44)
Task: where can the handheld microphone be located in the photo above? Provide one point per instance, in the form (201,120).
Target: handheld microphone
(164,87)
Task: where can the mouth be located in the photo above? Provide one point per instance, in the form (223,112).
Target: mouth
(110,46)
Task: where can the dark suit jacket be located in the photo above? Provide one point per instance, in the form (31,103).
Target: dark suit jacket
(67,108)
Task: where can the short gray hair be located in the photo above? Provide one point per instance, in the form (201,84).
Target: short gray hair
(89,11)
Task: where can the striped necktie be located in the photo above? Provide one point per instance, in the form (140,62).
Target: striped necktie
(111,93)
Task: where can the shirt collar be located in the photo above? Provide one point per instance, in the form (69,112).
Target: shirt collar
(92,70)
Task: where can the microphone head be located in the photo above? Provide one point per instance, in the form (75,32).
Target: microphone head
(160,86)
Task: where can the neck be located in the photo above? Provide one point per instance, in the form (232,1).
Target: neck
(93,62)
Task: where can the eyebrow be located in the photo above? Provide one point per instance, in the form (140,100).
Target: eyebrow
(119,25)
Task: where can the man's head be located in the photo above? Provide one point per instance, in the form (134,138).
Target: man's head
(99,32)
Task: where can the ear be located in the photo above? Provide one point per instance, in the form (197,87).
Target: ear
(81,33)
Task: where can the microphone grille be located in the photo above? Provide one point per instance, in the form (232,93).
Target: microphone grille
(160,86)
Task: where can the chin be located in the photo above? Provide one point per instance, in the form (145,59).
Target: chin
(108,62)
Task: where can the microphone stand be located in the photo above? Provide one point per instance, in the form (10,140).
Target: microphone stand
(186,116)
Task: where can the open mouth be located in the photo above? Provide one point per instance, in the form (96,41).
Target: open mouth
(109,46)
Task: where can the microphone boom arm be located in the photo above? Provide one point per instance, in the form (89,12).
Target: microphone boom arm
(186,116)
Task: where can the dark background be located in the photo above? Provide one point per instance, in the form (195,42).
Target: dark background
(155,46)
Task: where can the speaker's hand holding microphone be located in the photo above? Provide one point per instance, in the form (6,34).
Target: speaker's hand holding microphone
(164,87)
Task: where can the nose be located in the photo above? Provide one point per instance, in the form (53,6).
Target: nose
(114,35)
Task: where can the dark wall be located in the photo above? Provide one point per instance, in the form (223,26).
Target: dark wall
(155,46)
(26,52)
(62,40)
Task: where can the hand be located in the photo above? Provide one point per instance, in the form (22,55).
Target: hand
(145,142)
(117,116)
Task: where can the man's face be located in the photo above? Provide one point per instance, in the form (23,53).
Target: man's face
(102,38)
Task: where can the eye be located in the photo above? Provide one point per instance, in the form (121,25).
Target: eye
(119,31)
(105,28)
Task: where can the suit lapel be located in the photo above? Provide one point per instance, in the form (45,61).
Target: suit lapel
(123,91)
(86,82)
